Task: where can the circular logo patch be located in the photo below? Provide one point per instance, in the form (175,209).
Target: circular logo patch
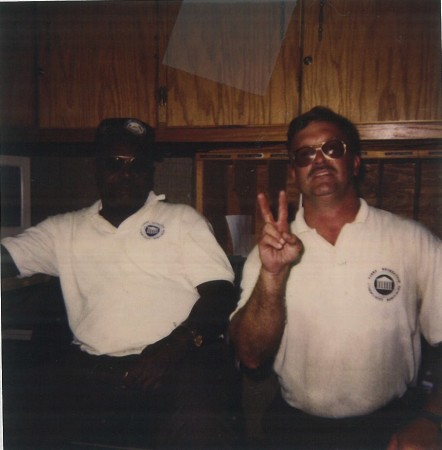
(384,284)
(135,127)
(152,230)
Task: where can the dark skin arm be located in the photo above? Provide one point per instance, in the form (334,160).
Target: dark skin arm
(423,434)
(208,318)
(9,269)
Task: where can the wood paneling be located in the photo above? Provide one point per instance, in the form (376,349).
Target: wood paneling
(214,203)
(369,184)
(398,187)
(97,60)
(378,60)
(430,195)
(375,132)
(410,187)
(18,87)
(195,101)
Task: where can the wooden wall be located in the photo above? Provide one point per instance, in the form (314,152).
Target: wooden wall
(410,188)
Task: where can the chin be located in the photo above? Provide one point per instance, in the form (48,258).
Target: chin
(324,189)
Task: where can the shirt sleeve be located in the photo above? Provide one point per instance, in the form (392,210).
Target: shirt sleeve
(203,257)
(34,250)
(429,277)
(250,275)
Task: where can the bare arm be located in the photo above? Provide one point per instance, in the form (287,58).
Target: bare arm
(257,328)
(424,433)
(207,320)
(8,267)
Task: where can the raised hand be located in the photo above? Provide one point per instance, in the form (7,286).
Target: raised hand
(278,248)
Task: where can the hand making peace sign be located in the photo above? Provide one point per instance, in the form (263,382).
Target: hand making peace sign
(278,247)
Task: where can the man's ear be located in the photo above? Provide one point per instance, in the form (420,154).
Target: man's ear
(356,165)
(292,172)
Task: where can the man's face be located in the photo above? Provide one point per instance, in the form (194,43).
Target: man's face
(123,185)
(324,176)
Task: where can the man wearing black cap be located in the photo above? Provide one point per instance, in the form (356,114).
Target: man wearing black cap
(148,292)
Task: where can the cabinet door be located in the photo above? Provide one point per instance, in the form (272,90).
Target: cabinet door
(195,100)
(18,65)
(373,60)
(97,60)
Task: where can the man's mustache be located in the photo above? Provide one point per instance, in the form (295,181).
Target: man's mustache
(318,167)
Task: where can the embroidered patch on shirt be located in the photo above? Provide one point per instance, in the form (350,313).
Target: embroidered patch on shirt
(152,230)
(384,284)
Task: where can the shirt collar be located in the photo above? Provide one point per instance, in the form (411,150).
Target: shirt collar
(362,214)
(94,211)
(151,198)
(300,226)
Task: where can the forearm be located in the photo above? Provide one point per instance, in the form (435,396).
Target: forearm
(209,316)
(424,432)
(8,267)
(433,365)
(257,328)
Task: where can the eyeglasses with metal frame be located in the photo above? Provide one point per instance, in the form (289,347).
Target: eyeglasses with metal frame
(115,164)
(332,149)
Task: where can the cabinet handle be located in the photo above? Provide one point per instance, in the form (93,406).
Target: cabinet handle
(162,96)
(308,60)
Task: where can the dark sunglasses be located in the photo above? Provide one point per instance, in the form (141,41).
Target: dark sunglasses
(115,164)
(304,156)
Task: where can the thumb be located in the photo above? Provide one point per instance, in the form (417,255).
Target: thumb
(393,444)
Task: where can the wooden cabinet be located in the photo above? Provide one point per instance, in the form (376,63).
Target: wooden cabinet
(408,183)
(373,60)
(70,64)
(96,60)
(18,86)
(195,100)
(370,60)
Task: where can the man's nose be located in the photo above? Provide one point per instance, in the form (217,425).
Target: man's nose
(319,157)
(126,170)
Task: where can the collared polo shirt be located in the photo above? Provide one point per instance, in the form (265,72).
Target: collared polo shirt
(355,312)
(126,287)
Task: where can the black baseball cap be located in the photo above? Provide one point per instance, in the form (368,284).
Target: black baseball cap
(130,131)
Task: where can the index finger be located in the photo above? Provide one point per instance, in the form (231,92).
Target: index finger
(282,209)
(266,213)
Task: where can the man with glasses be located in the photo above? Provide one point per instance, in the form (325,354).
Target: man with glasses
(148,292)
(336,302)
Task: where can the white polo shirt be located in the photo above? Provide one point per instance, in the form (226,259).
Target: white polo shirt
(124,287)
(355,312)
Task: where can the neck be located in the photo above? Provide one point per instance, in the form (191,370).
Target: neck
(116,216)
(329,218)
